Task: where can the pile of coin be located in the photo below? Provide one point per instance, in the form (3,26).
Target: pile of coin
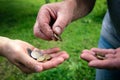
(100,56)
(38,55)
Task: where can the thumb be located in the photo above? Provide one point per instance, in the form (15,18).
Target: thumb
(30,63)
(61,22)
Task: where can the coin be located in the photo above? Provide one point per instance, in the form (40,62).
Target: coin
(57,37)
(36,54)
(100,56)
(47,57)
(41,58)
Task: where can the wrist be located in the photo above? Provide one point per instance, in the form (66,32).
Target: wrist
(80,7)
(3,43)
(71,3)
(72,7)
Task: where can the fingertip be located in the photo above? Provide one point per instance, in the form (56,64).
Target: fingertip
(38,68)
(96,49)
(60,60)
(96,64)
(65,55)
(82,55)
(56,49)
(36,29)
(91,64)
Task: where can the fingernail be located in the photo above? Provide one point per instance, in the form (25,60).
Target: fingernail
(57,30)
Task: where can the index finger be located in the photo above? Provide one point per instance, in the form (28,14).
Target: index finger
(46,19)
(50,51)
(103,51)
(88,55)
(38,32)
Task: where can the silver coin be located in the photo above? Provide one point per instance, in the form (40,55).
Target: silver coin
(36,53)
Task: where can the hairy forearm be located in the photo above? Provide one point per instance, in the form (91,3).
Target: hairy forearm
(81,7)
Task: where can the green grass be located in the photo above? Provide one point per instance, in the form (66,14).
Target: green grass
(17,18)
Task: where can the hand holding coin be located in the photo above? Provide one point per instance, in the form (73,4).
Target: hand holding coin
(20,55)
(102,58)
(43,55)
(47,59)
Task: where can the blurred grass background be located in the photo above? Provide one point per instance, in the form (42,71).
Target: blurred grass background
(17,18)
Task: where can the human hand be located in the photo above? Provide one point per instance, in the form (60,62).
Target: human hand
(111,60)
(53,18)
(16,52)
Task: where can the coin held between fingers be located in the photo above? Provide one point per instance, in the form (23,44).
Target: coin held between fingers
(56,37)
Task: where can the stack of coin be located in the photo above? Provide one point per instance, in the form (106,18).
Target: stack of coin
(38,55)
(100,56)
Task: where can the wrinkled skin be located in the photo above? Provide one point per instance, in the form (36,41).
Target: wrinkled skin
(16,52)
(112,60)
(49,17)
(54,17)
